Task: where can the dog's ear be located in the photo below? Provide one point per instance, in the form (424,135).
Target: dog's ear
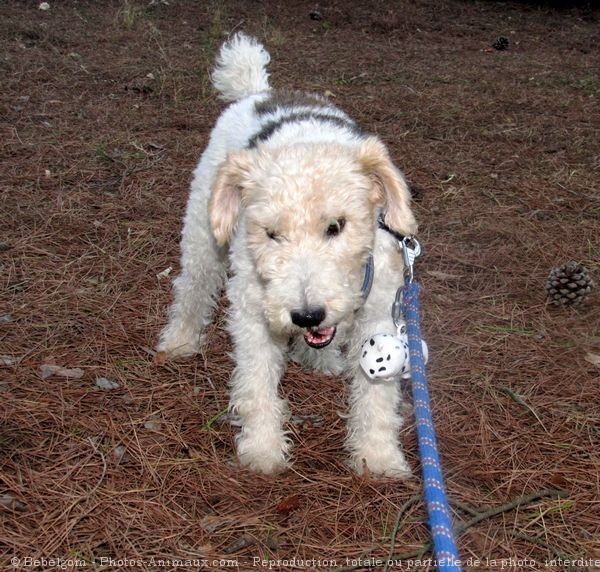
(389,190)
(226,196)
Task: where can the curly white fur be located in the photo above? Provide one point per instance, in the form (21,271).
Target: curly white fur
(280,171)
(240,69)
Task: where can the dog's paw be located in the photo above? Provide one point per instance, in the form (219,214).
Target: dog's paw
(262,455)
(179,351)
(177,345)
(390,464)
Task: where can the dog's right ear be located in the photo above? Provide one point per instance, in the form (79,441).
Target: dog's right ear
(226,195)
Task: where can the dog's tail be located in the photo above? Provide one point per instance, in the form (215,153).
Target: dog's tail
(241,68)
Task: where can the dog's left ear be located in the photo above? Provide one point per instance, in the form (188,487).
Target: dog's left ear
(226,196)
(390,191)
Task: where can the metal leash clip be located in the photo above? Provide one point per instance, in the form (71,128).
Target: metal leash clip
(397,310)
(411,250)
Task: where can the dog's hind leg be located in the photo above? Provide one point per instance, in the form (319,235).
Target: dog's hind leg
(197,287)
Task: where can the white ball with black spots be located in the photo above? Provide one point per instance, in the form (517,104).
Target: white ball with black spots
(385,356)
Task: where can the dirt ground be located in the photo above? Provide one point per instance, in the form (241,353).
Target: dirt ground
(105,108)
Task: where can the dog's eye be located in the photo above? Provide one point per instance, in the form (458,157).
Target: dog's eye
(273,235)
(335,226)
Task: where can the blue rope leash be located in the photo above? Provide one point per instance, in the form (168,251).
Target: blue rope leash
(438,509)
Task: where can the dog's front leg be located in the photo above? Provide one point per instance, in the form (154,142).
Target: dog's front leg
(262,444)
(373,427)
(374,420)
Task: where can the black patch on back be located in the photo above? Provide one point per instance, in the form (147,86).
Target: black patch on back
(272,126)
(285,103)
(288,99)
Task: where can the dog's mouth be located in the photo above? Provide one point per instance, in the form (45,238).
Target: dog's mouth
(319,337)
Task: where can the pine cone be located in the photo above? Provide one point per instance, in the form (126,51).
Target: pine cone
(501,43)
(569,284)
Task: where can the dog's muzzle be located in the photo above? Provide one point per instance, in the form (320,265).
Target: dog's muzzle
(311,318)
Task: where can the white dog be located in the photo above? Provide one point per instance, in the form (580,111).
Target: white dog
(290,192)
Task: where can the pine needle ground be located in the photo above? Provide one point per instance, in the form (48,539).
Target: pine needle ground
(105,109)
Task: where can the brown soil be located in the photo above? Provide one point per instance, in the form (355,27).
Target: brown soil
(105,108)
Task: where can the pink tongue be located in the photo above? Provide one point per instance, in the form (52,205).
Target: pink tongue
(319,336)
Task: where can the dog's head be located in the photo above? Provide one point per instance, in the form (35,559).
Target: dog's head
(309,216)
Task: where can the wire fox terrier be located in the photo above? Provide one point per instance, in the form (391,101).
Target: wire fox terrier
(287,197)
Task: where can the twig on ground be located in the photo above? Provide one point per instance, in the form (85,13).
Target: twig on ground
(522,500)
(489,513)
(542,544)
(412,500)
(518,399)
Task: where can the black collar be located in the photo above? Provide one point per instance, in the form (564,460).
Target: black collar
(370,264)
(383,226)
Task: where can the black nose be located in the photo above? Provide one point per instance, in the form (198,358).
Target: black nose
(309,317)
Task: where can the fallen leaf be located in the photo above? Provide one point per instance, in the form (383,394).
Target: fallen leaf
(165,273)
(288,504)
(212,523)
(559,480)
(594,359)
(48,370)
(311,419)
(160,358)
(272,542)
(118,453)
(105,383)
(153,425)
(10,502)
(239,544)
(9,360)
(443,275)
